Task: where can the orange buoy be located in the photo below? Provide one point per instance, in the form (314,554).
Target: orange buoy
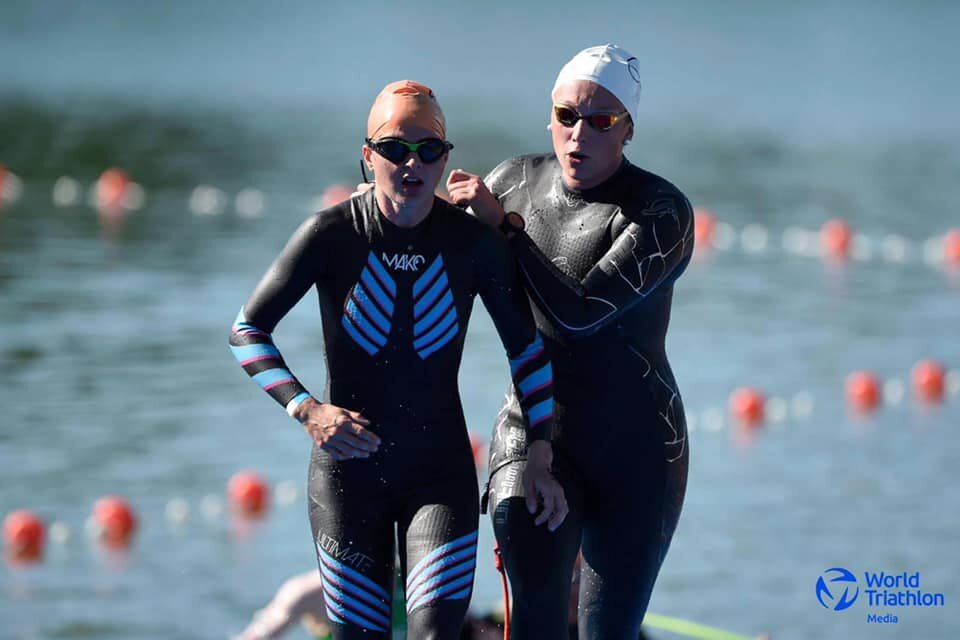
(747,406)
(929,380)
(836,238)
(863,391)
(335,194)
(112,189)
(951,247)
(248,493)
(23,535)
(477,446)
(115,520)
(704,222)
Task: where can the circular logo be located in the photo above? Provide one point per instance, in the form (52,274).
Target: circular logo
(634,67)
(831,582)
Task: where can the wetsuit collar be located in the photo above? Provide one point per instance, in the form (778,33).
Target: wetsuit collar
(593,193)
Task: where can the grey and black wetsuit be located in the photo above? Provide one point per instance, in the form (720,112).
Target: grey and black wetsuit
(599,266)
(394,304)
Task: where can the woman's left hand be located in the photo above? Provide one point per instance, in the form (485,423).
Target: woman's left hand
(538,482)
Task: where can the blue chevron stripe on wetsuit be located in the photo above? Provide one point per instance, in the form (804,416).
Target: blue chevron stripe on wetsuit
(599,266)
(394,308)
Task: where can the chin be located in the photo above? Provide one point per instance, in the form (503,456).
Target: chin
(577,178)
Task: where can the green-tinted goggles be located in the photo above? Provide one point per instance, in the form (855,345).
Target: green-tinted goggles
(396,150)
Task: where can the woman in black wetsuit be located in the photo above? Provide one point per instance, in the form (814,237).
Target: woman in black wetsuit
(396,271)
(600,243)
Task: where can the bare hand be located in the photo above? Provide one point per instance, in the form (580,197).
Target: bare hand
(466,189)
(539,482)
(338,431)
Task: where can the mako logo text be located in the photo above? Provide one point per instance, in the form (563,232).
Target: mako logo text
(404,262)
(839,589)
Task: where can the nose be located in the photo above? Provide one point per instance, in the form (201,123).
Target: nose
(412,160)
(579,131)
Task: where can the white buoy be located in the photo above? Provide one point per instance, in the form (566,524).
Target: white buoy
(177,511)
(66,192)
(250,203)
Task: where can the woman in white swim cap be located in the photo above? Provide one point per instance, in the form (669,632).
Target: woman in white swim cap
(600,243)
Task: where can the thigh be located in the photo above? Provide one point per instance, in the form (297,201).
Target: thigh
(627,533)
(539,563)
(353,533)
(438,554)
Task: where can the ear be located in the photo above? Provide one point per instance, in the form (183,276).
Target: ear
(629,136)
(367,152)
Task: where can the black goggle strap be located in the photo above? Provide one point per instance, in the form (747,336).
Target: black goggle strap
(363,171)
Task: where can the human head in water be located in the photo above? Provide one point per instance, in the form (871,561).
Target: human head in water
(406,146)
(595,102)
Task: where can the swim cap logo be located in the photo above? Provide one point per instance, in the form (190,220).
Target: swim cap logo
(404,262)
(634,67)
(839,578)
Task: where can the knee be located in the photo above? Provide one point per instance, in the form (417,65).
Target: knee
(537,567)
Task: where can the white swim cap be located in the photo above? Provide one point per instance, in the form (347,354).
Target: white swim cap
(611,67)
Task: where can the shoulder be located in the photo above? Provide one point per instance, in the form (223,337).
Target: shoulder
(470,232)
(462,222)
(513,171)
(342,213)
(337,219)
(647,194)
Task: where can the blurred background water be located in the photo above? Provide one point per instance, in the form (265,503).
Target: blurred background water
(114,370)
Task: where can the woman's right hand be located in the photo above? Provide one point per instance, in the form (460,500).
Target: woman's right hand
(467,189)
(340,432)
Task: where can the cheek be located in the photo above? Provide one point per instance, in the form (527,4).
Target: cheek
(433,173)
(612,145)
(383,169)
(560,135)
(608,149)
(441,166)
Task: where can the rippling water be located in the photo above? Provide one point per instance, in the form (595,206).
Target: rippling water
(116,376)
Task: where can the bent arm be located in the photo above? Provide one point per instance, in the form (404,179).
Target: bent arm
(502,294)
(290,276)
(651,251)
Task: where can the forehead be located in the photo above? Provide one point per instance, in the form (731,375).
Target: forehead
(406,131)
(584,94)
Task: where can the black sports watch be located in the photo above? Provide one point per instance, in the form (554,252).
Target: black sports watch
(512,221)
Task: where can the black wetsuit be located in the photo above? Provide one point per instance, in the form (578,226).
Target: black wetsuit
(599,266)
(395,304)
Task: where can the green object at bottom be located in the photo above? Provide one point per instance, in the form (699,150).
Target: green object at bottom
(691,629)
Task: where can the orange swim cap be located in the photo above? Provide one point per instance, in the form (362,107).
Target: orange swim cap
(405,102)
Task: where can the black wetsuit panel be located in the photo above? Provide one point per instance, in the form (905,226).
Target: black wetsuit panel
(599,266)
(394,304)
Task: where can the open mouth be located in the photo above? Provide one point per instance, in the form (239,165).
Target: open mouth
(412,181)
(576,155)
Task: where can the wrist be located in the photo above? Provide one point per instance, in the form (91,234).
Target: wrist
(511,222)
(540,452)
(302,411)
